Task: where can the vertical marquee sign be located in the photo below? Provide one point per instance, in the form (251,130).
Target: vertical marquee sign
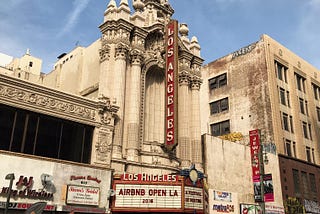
(171,85)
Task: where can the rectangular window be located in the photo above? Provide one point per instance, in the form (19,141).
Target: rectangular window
(318,113)
(222,128)
(288,148)
(310,131)
(219,106)
(316,90)
(218,82)
(296,181)
(300,81)
(37,134)
(301,102)
(305,130)
(285,121)
(308,153)
(313,185)
(305,183)
(291,124)
(281,71)
(283,96)
(294,149)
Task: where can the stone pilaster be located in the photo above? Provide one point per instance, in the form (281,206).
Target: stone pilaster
(183,121)
(104,78)
(196,147)
(133,106)
(118,95)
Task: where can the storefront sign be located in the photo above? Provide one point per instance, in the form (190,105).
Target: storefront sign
(69,209)
(24,206)
(83,195)
(222,208)
(147,196)
(89,178)
(25,190)
(171,84)
(193,198)
(222,196)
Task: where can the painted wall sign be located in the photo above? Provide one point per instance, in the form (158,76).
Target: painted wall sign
(171,85)
(222,196)
(147,196)
(193,198)
(83,195)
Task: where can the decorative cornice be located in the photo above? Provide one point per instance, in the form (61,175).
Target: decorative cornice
(25,95)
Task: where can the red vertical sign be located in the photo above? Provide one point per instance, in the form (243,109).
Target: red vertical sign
(255,148)
(171,84)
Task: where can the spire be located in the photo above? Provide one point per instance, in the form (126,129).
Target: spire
(111,11)
(124,10)
(28,52)
(112,4)
(124,2)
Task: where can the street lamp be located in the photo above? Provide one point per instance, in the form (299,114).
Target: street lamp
(11,178)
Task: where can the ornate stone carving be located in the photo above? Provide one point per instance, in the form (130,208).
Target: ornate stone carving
(104,52)
(184,78)
(136,57)
(106,110)
(104,146)
(155,48)
(121,51)
(45,102)
(195,83)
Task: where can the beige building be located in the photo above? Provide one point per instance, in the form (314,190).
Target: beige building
(265,86)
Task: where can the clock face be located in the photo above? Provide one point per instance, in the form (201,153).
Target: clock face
(193,175)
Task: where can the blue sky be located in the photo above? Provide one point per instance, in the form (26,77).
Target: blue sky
(51,27)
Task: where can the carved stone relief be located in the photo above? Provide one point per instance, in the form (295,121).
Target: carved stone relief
(45,102)
(104,146)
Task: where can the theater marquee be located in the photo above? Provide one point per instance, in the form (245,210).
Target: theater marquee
(156,193)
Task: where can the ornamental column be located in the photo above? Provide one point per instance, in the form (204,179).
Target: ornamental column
(133,106)
(196,147)
(183,120)
(118,94)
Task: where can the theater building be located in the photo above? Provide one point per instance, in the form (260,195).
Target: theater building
(105,111)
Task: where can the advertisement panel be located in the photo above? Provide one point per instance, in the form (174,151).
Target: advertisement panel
(222,196)
(83,195)
(268,188)
(193,198)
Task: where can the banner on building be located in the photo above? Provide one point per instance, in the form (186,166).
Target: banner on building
(268,189)
(255,149)
(222,196)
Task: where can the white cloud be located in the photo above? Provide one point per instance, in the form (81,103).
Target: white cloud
(78,7)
